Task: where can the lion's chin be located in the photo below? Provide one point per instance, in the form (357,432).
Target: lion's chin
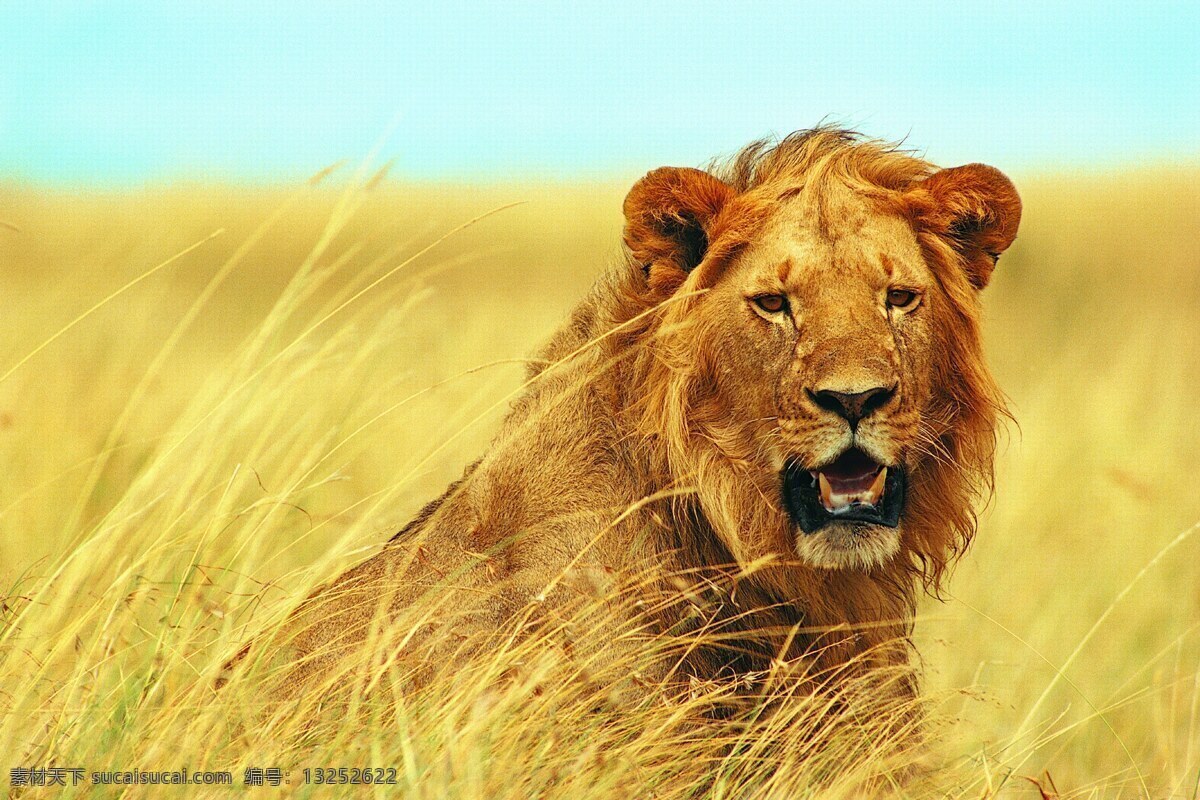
(848,545)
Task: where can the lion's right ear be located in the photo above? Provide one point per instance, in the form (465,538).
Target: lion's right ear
(669,216)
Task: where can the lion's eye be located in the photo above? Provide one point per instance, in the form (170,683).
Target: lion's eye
(771,303)
(901,298)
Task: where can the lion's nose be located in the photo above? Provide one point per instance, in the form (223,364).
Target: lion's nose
(853,406)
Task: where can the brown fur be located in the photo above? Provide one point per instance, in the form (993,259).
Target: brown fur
(648,445)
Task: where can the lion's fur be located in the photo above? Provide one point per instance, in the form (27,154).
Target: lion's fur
(625,456)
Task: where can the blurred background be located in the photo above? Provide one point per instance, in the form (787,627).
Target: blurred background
(345,346)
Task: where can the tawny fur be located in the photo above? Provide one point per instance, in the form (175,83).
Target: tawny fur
(650,438)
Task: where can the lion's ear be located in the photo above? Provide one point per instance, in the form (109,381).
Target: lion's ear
(978,209)
(669,216)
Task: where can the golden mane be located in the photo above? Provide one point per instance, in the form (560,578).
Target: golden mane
(960,434)
(810,158)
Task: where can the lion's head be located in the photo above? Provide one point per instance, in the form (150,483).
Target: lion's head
(816,349)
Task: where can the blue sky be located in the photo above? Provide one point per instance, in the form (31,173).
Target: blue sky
(125,92)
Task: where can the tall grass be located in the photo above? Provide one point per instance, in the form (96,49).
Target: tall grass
(250,412)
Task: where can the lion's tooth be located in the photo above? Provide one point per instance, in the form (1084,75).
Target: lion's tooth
(826,491)
(876,490)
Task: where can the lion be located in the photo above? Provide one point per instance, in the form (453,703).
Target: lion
(779,393)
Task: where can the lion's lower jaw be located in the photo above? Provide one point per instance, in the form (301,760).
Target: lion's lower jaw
(848,546)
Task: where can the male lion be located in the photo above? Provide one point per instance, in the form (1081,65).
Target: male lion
(779,394)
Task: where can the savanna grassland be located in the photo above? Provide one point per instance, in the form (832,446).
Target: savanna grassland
(213,399)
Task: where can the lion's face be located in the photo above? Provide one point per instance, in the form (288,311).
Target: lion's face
(819,335)
(821,327)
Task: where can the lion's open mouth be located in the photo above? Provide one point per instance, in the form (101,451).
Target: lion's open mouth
(853,488)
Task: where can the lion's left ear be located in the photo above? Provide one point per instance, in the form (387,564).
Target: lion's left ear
(977,208)
(669,216)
